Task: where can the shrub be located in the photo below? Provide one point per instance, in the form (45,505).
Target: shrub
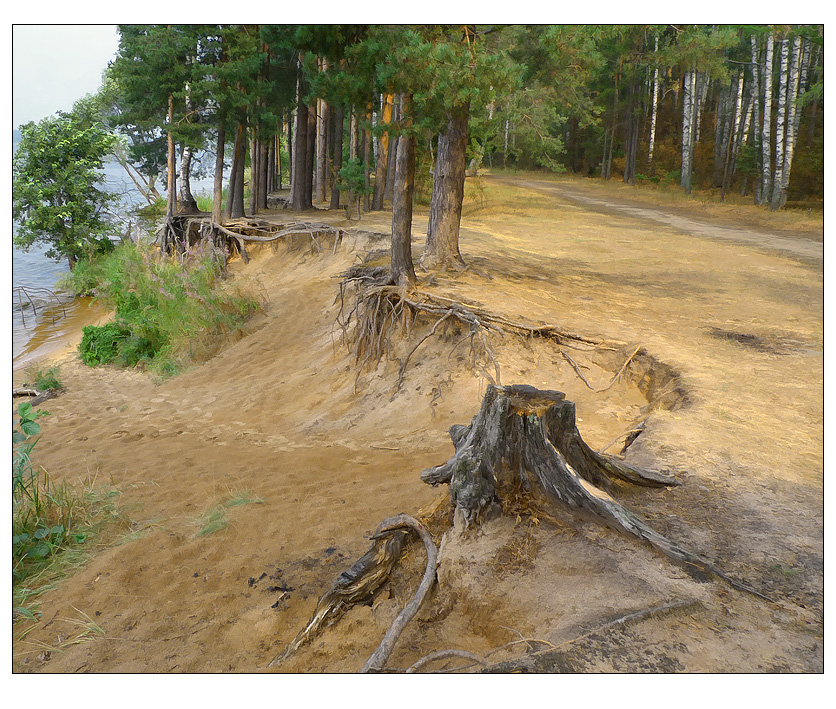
(100,344)
(163,307)
(44,379)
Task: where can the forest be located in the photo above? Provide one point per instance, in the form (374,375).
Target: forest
(322,109)
(277,406)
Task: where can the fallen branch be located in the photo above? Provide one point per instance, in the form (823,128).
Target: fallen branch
(357,584)
(443,655)
(378,659)
(529,660)
(40,396)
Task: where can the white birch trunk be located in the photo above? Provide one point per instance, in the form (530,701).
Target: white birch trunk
(798,74)
(655,107)
(756,93)
(766,135)
(781,125)
(702,94)
(736,125)
(685,176)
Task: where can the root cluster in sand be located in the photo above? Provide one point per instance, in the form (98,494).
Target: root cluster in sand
(179,231)
(380,310)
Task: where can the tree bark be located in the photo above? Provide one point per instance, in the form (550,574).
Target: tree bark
(322,152)
(687,127)
(654,110)
(300,150)
(756,105)
(217,193)
(442,246)
(187,204)
(402,270)
(393,148)
(310,157)
(780,125)
(171,197)
(382,161)
(255,173)
(235,198)
(337,140)
(766,135)
(798,73)
(367,160)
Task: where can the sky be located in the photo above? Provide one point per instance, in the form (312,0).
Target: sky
(55,65)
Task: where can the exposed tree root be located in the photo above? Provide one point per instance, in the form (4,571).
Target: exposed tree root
(529,662)
(380,309)
(180,231)
(378,659)
(365,578)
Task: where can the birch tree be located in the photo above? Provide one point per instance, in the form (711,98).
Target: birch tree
(766,134)
(780,125)
(655,103)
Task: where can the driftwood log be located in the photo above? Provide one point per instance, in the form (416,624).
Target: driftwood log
(527,438)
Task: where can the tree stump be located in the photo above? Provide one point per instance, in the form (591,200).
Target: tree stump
(527,438)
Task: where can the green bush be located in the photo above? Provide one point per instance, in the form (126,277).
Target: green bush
(164,307)
(100,344)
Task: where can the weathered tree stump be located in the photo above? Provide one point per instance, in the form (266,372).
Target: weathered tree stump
(527,438)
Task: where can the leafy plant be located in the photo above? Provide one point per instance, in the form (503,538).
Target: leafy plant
(46,518)
(167,311)
(45,379)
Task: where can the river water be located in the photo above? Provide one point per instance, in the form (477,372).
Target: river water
(43,314)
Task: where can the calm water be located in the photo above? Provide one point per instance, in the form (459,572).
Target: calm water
(46,317)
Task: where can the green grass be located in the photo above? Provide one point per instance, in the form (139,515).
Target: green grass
(44,379)
(215,518)
(167,312)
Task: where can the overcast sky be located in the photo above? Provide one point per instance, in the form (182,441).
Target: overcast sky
(55,65)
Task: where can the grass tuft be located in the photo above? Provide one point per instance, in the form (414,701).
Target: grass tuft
(167,311)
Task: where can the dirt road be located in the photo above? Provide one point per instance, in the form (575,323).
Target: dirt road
(251,481)
(807,246)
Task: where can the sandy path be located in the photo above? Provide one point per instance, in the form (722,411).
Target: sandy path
(801,247)
(274,419)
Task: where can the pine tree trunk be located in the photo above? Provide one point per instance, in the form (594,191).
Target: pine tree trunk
(781,125)
(367,159)
(322,152)
(766,135)
(217,193)
(382,160)
(402,270)
(264,171)
(235,198)
(255,173)
(310,157)
(393,148)
(442,246)
(337,140)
